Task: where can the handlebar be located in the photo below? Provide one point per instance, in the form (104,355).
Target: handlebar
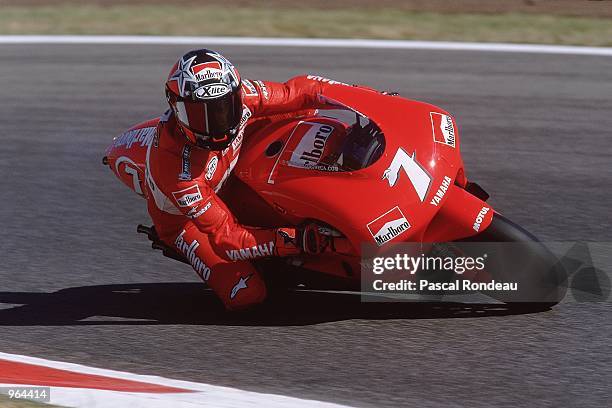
(158,244)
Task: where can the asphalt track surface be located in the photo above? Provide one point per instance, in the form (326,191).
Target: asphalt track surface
(79,285)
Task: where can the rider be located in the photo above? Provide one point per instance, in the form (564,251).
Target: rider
(197,145)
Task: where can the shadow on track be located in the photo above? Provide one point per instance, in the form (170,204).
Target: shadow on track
(193,304)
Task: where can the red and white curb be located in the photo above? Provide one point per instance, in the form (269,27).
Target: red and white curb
(75,385)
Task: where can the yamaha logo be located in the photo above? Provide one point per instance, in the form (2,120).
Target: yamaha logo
(211,91)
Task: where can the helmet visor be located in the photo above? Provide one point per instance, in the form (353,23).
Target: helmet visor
(214,117)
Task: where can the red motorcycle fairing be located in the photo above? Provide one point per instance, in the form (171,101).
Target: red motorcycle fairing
(414,192)
(126,156)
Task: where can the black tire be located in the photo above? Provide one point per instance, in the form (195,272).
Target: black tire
(538,272)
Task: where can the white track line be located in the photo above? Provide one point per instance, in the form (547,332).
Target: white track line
(205,395)
(308,42)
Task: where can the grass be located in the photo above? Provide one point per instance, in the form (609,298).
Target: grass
(383,23)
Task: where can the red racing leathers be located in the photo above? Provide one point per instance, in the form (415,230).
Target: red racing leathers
(183,179)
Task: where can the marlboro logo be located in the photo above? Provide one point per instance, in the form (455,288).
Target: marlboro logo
(190,250)
(312,145)
(188,196)
(443,129)
(388,226)
(207,70)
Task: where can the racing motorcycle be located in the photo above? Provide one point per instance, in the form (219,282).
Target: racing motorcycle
(368,168)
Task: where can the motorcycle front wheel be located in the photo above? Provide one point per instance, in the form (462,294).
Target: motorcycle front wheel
(539,274)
